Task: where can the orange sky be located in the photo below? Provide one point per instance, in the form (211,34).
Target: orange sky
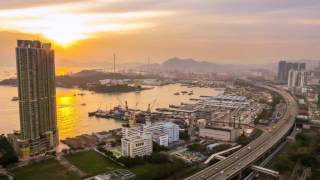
(86,33)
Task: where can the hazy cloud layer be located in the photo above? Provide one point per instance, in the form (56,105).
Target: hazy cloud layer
(239,31)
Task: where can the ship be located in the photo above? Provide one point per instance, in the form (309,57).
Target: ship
(173,106)
(15,98)
(184,92)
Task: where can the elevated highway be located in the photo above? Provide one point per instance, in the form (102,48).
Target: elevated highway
(235,164)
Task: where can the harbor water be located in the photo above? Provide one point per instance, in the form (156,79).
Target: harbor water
(73,106)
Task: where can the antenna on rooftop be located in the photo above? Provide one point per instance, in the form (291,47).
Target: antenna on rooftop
(114,62)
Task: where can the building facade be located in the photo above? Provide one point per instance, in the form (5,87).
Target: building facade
(37,96)
(164,133)
(228,134)
(297,81)
(172,130)
(284,68)
(137,145)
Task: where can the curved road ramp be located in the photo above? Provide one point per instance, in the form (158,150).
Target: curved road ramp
(233,165)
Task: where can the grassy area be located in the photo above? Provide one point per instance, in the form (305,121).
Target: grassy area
(153,171)
(91,162)
(45,170)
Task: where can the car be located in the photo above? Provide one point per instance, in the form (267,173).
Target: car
(249,148)
(221,172)
(216,168)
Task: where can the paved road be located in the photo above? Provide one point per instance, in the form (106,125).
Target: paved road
(246,156)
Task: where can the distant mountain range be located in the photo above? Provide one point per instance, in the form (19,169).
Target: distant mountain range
(191,65)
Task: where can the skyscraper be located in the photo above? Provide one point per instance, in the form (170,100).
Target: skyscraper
(284,68)
(37,96)
(297,80)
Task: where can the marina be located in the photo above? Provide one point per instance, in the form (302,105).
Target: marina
(72,115)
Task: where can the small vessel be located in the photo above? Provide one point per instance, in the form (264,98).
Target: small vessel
(203,96)
(91,113)
(184,92)
(15,98)
(173,106)
(83,104)
(176,93)
(81,94)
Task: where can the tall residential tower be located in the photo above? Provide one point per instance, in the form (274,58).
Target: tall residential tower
(284,68)
(37,97)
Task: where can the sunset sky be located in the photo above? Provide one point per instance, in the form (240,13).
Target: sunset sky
(87,32)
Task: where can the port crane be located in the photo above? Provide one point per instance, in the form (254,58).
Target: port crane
(132,119)
(150,106)
(119,100)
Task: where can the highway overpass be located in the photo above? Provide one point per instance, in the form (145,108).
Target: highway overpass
(235,164)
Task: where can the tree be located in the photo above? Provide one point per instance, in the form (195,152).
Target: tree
(243,140)
(283,164)
(197,147)
(158,148)
(9,156)
(318,99)
(184,135)
(158,158)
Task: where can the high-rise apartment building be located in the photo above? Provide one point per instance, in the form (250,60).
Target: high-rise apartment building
(297,80)
(37,97)
(284,68)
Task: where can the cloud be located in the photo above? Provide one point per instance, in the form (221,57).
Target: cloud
(60,23)
(170,27)
(19,4)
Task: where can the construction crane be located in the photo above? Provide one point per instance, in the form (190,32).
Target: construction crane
(150,106)
(132,120)
(119,100)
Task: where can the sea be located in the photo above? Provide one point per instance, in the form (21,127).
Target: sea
(73,108)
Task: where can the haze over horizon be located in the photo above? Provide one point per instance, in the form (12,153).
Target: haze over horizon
(87,33)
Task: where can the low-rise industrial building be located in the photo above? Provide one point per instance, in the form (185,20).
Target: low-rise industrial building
(220,133)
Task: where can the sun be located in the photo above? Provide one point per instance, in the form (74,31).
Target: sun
(64,37)
(65,30)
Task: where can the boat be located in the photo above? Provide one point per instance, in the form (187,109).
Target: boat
(173,106)
(15,98)
(219,89)
(92,113)
(203,96)
(176,93)
(83,104)
(184,92)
